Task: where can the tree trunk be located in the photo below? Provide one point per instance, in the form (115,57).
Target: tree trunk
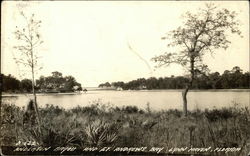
(188,86)
(34,92)
(35,101)
(184,98)
(35,106)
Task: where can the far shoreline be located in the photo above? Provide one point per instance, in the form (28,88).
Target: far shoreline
(143,90)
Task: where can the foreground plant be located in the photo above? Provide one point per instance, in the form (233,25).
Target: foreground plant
(101,133)
(228,127)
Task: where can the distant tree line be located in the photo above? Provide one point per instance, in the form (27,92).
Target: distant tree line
(10,84)
(54,83)
(107,84)
(234,79)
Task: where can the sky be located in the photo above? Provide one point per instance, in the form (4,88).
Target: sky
(90,39)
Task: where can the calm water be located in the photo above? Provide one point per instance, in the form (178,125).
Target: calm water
(158,100)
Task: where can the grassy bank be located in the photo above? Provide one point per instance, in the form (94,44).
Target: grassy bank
(102,125)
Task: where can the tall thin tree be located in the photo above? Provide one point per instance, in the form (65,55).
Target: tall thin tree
(200,33)
(29,39)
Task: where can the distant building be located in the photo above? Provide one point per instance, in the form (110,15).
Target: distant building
(119,89)
(142,87)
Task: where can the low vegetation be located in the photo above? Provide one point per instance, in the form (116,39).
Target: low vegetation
(104,125)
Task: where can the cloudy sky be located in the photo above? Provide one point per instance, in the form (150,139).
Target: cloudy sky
(89,40)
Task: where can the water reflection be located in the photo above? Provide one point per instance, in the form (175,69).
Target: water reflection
(158,100)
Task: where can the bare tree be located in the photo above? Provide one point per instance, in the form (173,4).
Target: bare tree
(29,39)
(202,32)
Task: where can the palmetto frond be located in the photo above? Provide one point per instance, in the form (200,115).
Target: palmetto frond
(101,133)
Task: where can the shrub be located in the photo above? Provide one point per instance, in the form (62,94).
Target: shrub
(103,125)
(100,133)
